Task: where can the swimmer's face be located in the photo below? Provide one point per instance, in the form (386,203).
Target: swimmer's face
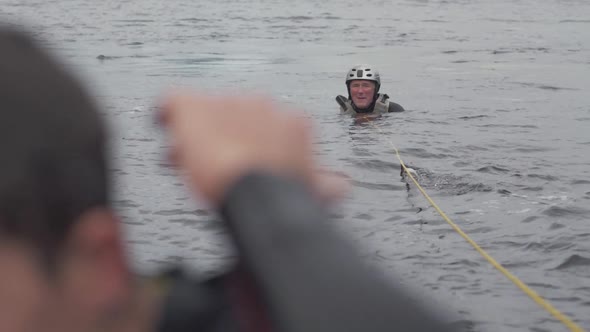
(362,93)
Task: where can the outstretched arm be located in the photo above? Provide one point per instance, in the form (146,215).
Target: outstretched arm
(255,165)
(307,275)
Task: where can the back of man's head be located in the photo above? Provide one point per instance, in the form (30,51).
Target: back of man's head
(52,160)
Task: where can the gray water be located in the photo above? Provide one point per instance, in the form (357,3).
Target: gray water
(497,128)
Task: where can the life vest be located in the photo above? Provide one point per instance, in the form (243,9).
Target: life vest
(381,105)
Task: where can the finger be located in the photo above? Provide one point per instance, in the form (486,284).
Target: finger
(173,155)
(161,114)
(167,104)
(175,103)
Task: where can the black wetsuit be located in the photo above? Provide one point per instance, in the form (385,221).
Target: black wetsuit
(294,274)
(393,107)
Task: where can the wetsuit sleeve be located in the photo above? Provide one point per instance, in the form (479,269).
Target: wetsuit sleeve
(191,305)
(393,107)
(308,277)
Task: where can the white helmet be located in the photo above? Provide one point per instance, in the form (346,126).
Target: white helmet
(363,72)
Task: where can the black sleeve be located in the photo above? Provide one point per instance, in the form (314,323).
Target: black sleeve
(191,305)
(309,278)
(393,107)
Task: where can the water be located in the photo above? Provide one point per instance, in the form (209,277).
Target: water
(498,111)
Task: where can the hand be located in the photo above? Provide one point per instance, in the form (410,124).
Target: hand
(216,140)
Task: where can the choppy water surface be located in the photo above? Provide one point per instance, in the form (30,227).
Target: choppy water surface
(497,128)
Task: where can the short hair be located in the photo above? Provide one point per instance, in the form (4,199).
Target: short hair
(53,165)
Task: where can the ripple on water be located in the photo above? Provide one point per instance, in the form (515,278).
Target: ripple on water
(533,189)
(574,21)
(505,125)
(475,148)
(213,225)
(363,216)
(447,183)
(457,189)
(176,212)
(183,221)
(193,19)
(481,230)
(453,278)
(473,117)
(422,153)
(493,169)
(126,203)
(559,211)
(537,285)
(377,186)
(553,88)
(543,177)
(464,325)
(374,164)
(507,244)
(461,264)
(548,246)
(555,226)
(573,261)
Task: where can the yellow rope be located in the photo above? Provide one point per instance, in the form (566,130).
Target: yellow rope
(526,289)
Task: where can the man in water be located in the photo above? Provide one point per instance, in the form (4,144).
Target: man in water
(363,83)
(62,259)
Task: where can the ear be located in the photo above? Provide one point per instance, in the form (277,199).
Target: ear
(95,270)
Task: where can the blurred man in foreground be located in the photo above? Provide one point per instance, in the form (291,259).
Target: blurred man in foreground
(61,247)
